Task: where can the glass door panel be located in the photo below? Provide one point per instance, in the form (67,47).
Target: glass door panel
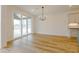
(17,25)
(29,26)
(24,27)
(17,28)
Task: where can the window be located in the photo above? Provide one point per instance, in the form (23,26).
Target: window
(29,26)
(17,26)
(22,25)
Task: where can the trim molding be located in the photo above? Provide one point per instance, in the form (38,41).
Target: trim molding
(51,35)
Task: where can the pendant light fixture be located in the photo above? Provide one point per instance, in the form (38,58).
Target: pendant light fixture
(42,17)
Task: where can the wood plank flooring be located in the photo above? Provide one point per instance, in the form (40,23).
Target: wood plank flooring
(39,43)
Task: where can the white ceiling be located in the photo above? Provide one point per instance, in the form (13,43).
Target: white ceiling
(49,9)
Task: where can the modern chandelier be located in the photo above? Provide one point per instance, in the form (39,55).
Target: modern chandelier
(42,17)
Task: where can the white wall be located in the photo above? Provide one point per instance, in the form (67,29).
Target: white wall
(0,26)
(7,22)
(55,24)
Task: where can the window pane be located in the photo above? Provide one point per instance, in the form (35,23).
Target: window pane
(24,27)
(17,28)
(29,26)
(17,25)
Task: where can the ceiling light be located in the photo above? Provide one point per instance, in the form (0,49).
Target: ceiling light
(42,17)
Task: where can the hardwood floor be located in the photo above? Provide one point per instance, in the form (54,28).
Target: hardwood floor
(39,43)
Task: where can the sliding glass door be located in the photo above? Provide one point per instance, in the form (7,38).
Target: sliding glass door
(22,26)
(29,26)
(17,26)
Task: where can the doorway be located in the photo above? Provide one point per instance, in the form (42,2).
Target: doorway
(22,26)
